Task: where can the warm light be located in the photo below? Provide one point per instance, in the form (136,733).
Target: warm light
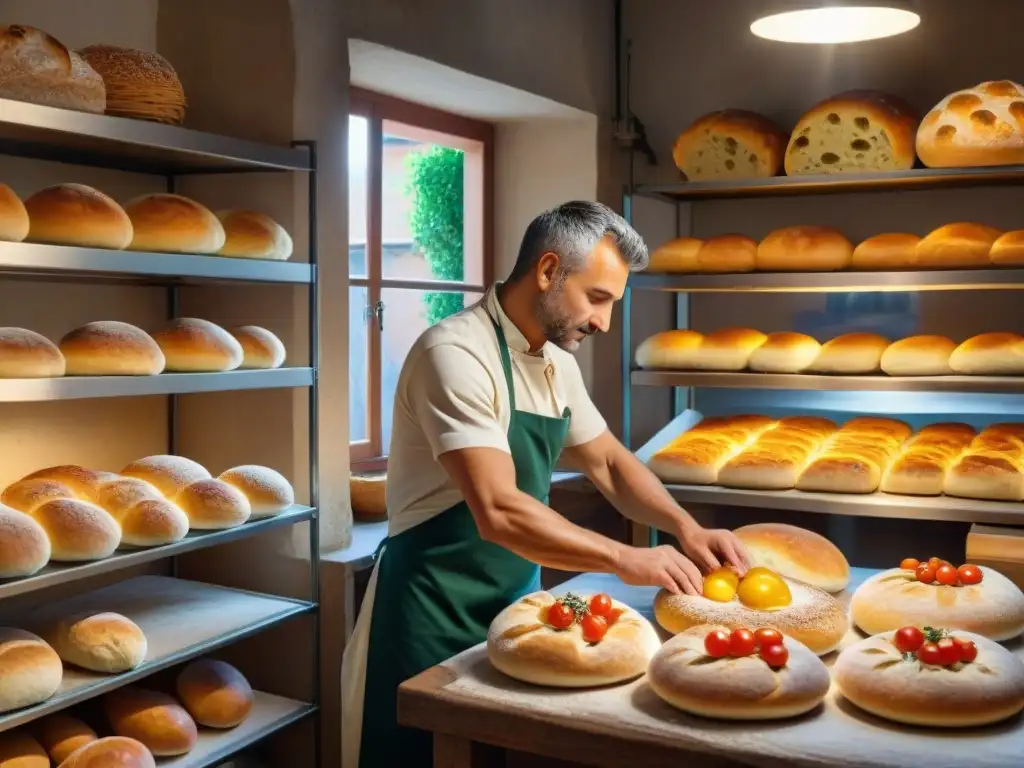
(843,24)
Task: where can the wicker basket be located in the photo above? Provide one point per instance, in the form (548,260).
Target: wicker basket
(368,497)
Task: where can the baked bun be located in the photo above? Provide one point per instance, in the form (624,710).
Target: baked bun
(24,545)
(166,223)
(990,354)
(523,644)
(745,688)
(213,505)
(925,459)
(79,531)
(796,553)
(804,249)
(152,718)
(855,457)
(260,348)
(991,467)
(26,495)
(192,345)
(146,518)
(894,598)
(918,356)
(61,735)
(100,642)
(1008,250)
(785,352)
(697,455)
(19,750)
(729,144)
(851,354)
(139,84)
(111,752)
(170,474)
(876,677)
(74,214)
(215,693)
(268,491)
(728,349)
(778,456)
(679,255)
(368,495)
(14,223)
(979,126)
(37,68)
(28,355)
(83,483)
(253,235)
(30,670)
(955,246)
(674,350)
(111,348)
(724,254)
(896,250)
(854,131)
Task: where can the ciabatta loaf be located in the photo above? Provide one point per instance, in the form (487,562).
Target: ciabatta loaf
(978,126)
(855,457)
(777,457)
(729,144)
(992,466)
(696,456)
(921,467)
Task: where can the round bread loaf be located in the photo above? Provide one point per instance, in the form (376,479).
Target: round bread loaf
(166,223)
(78,530)
(744,688)
(524,646)
(61,735)
(979,126)
(111,752)
(26,495)
(918,356)
(804,249)
(728,349)
(268,491)
(28,355)
(675,256)
(955,246)
(146,518)
(727,254)
(887,251)
(213,505)
(253,235)
(260,347)
(1008,250)
(14,223)
(785,352)
(100,642)
(796,553)
(84,483)
(19,750)
(192,345)
(989,354)
(215,693)
(119,495)
(876,677)
(895,598)
(674,350)
(24,545)
(369,496)
(851,354)
(111,348)
(139,84)
(814,617)
(37,68)
(169,474)
(153,719)
(74,214)
(30,670)
(730,144)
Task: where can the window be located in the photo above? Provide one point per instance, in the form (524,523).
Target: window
(420,239)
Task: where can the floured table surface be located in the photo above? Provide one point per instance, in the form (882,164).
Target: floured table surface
(835,734)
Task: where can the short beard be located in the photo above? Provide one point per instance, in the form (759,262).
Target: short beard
(556,325)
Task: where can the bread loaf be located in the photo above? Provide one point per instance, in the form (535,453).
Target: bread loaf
(804,249)
(37,68)
(30,670)
(896,250)
(24,545)
(851,354)
(854,131)
(213,505)
(169,474)
(1008,250)
(776,458)
(990,354)
(369,497)
(192,345)
(785,352)
(260,348)
(84,483)
(956,246)
(139,84)
(13,216)
(679,255)
(111,752)
(978,126)
(26,495)
(74,214)
(61,735)
(796,553)
(253,235)
(727,254)
(100,642)
(19,750)
(921,467)
(673,350)
(696,456)
(28,355)
(146,518)
(268,491)
(215,693)
(111,348)
(78,530)
(855,457)
(919,356)
(153,719)
(173,224)
(728,349)
(729,144)
(991,467)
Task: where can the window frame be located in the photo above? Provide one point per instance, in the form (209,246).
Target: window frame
(438,127)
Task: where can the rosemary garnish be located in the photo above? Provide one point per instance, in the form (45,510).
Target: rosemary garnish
(577,604)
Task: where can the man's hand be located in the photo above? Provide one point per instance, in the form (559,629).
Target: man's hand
(662,566)
(712,548)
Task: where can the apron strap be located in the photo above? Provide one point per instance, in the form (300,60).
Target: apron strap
(506,363)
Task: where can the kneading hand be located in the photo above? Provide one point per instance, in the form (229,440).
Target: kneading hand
(662,566)
(712,548)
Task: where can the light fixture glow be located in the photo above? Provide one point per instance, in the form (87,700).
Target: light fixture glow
(839,24)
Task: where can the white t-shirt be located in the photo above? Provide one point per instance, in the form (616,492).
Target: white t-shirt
(452,395)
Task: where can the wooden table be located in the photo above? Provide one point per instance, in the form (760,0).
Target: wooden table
(478,716)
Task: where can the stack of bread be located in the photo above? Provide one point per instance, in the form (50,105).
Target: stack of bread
(37,68)
(139,84)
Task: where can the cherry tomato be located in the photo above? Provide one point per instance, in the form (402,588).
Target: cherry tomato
(935,562)
(601,605)
(908,639)
(925,573)
(968,650)
(593,627)
(614,615)
(909,564)
(949,652)
(741,642)
(929,654)
(561,616)
(767,636)
(969,574)
(946,574)
(775,655)
(716,643)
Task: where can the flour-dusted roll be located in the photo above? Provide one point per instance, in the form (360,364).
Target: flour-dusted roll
(37,68)
(696,456)
(61,735)
(215,693)
(785,352)
(796,553)
(921,467)
(30,670)
(111,348)
(170,474)
(74,214)
(804,249)
(82,481)
(1008,250)
(253,235)
(24,545)
(14,223)
(778,456)
(990,354)
(152,718)
(260,347)
(918,356)
(675,256)
(978,126)
(727,349)
(851,354)
(956,246)
(111,752)
(193,345)
(670,350)
(855,131)
(26,354)
(213,505)
(724,254)
(147,519)
(730,144)
(896,250)
(79,531)
(573,641)
(19,750)
(26,495)
(268,491)
(166,223)
(100,642)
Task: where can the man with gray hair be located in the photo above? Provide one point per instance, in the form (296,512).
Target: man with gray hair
(487,401)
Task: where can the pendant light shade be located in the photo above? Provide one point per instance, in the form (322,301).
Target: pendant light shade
(837,21)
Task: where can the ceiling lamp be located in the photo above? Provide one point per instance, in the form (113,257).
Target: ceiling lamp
(837,21)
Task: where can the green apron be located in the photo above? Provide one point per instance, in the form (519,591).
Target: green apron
(439,586)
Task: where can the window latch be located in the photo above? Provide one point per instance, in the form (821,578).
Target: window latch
(377,311)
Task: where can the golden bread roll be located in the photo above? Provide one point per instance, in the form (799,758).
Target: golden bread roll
(253,235)
(804,249)
(100,642)
(675,256)
(193,345)
(120,494)
(26,495)
(955,246)
(368,495)
(213,505)
(152,718)
(260,347)
(74,214)
(139,84)
(1008,250)
(28,355)
(796,553)
(84,483)
(111,348)
(696,456)
(978,126)
(728,349)
(268,491)
(522,643)
(744,688)
(215,693)
(897,250)
(24,545)
(854,459)
(37,68)
(921,467)
(785,352)
(991,467)
(78,530)
(674,350)
(851,354)
(19,750)
(30,670)
(726,254)
(854,131)
(918,356)
(146,518)
(776,458)
(111,752)
(166,223)
(14,224)
(729,144)
(61,735)
(990,354)
(169,474)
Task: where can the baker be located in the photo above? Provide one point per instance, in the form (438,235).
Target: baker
(487,401)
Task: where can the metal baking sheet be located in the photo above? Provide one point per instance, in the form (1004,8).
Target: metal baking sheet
(802,381)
